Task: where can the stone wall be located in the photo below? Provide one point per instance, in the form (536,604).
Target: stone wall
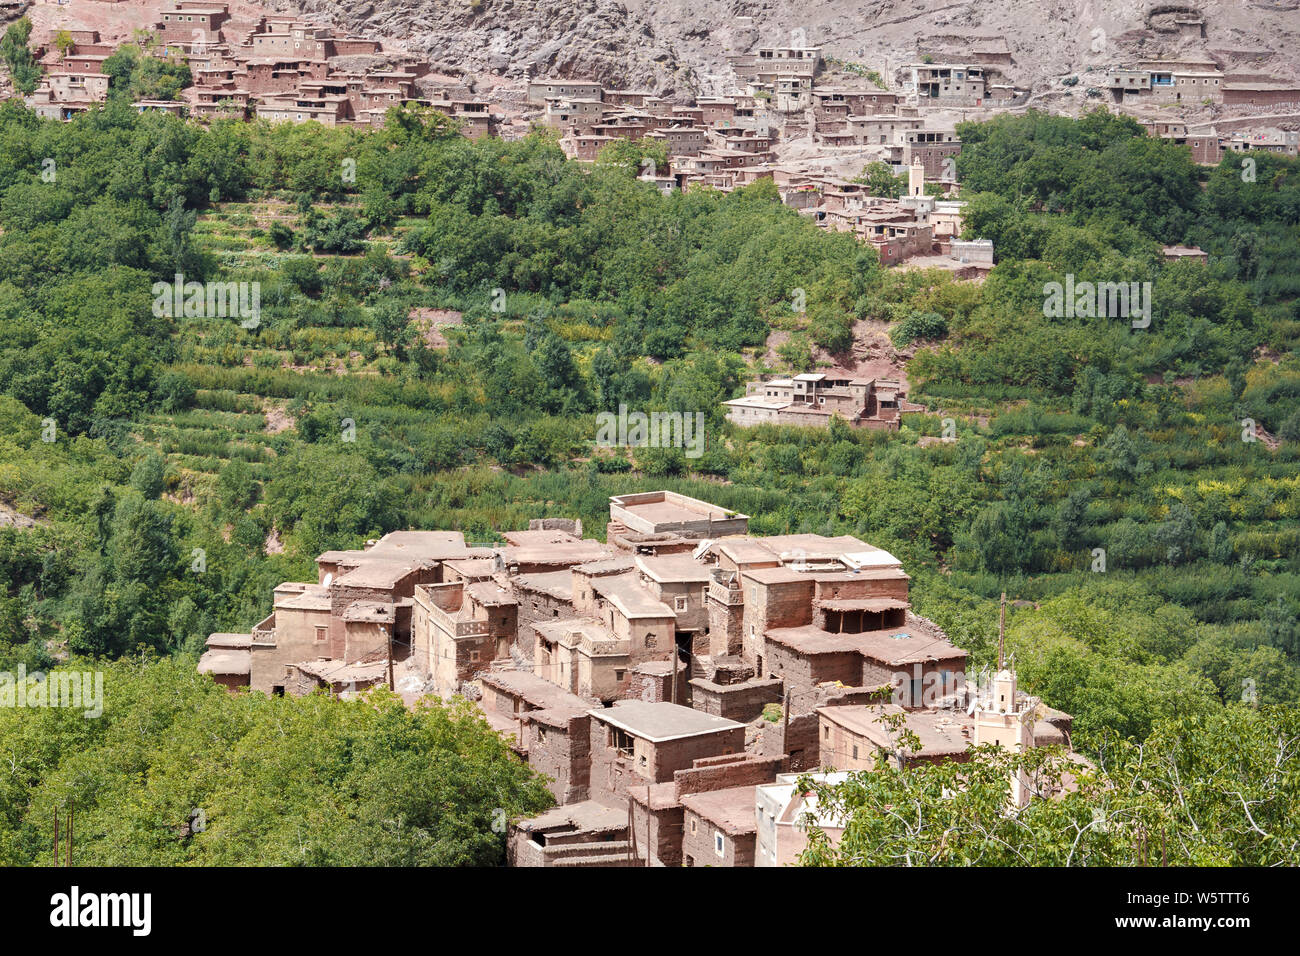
(742,702)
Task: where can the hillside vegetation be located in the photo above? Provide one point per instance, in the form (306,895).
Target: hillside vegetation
(179,467)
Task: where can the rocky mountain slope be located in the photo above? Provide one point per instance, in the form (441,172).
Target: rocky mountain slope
(678,46)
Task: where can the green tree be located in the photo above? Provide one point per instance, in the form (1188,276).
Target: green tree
(880,180)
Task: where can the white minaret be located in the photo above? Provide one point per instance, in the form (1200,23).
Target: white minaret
(999,717)
(916,179)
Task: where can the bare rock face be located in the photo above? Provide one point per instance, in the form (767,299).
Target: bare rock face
(679,47)
(517,39)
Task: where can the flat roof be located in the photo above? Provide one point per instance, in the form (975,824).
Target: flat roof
(941,732)
(370,611)
(230,641)
(861,604)
(673,568)
(777,575)
(913,643)
(730,810)
(615,565)
(631,599)
(567,552)
(556,584)
(560,629)
(660,721)
(584,816)
(380,573)
(757,401)
(535,690)
(226,662)
(334,671)
(421,544)
(490,594)
(314,597)
(666,507)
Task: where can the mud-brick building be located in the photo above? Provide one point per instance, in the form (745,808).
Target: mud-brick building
(551,728)
(226,657)
(459,627)
(186,23)
(917,659)
(674,824)
(933,150)
(719,828)
(635,743)
(582,656)
(359,610)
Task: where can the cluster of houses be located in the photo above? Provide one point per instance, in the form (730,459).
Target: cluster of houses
(1210,142)
(279,68)
(283,68)
(728,142)
(672,683)
(1194,80)
(812,398)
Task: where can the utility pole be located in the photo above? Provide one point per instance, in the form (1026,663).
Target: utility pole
(631,831)
(673,692)
(56,836)
(785,726)
(71,810)
(390,662)
(647,825)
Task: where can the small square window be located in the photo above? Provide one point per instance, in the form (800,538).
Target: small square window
(719,844)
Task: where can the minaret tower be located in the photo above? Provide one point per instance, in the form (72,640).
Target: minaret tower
(1000,718)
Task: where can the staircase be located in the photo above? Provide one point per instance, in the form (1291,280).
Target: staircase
(603,853)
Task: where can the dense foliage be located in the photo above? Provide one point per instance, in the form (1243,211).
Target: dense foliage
(1206,791)
(178,771)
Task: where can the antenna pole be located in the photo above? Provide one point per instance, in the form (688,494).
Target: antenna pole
(1002,629)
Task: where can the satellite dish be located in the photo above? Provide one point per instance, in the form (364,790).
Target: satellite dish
(329,578)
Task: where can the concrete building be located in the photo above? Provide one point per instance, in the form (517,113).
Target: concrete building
(660,512)
(784,814)
(539,90)
(948,84)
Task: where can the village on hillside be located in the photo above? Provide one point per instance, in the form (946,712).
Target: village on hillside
(808,123)
(671,684)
